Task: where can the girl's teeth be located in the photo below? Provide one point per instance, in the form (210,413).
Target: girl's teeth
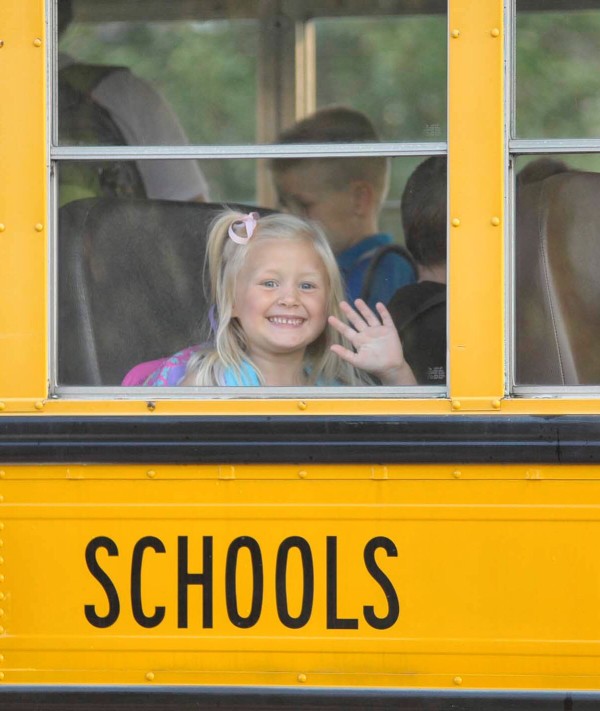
(286,321)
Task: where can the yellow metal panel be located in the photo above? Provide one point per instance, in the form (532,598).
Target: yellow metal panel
(23,215)
(476,174)
(509,406)
(422,578)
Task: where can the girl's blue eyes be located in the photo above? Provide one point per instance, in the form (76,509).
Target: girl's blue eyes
(272,284)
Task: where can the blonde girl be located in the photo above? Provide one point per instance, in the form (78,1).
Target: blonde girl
(278,313)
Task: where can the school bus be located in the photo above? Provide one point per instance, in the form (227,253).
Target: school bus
(423,547)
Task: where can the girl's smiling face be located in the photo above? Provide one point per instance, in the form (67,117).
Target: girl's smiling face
(281,297)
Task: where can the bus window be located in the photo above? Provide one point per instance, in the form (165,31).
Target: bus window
(557,181)
(557,261)
(211,106)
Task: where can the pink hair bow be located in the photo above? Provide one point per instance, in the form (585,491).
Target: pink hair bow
(249,222)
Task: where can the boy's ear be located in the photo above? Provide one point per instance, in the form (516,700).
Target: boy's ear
(363,197)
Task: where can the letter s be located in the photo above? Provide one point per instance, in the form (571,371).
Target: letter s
(101,576)
(381,623)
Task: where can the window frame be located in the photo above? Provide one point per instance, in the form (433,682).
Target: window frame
(259,151)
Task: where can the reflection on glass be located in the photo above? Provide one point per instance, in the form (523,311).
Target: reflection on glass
(132,290)
(229,73)
(392,68)
(162,82)
(557,264)
(558,85)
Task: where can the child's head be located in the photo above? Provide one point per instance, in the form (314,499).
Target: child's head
(423,209)
(343,194)
(274,281)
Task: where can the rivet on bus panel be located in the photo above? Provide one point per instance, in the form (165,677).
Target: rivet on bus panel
(1,560)
(302,405)
(151,405)
(2,596)
(1,578)
(302,678)
(2,226)
(457,474)
(456,404)
(495,221)
(457,680)
(151,473)
(1,44)
(1,676)
(302,474)
(1,657)
(2,406)
(39,405)
(495,32)
(37,42)
(455,33)
(2,475)
(39,227)
(1,630)
(496,404)
(150,676)
(455,222)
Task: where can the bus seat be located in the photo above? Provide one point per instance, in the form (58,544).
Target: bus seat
(558,280)
(129,283)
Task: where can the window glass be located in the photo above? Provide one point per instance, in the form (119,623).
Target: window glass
(557,261)
(207,73)
(147,94)
(558,85)
(392,68)
(132,286)
(163,82)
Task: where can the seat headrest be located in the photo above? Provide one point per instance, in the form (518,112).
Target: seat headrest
(557,280)
(131,284)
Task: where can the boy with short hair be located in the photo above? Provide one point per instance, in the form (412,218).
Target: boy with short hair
(345,196)
(419,310)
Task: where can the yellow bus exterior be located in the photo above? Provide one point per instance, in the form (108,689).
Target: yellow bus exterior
(476,573)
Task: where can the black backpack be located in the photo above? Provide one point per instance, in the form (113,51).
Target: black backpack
(82,121)
(419,315)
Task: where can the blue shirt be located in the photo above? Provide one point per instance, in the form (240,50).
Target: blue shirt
(392,272)
(249,376)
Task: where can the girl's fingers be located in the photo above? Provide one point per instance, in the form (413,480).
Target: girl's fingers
(366,313)
(360,316)
(386,317)
(343,328)
(344,353)
(355,319)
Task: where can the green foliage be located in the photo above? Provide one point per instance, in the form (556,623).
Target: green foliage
(392,68)
(558,83)
(206,71)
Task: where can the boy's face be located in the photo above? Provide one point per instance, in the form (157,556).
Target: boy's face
(303,191)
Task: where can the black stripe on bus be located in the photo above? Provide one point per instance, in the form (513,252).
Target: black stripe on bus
(283,699)
(305,439)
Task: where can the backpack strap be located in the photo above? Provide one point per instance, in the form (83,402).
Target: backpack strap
(376,258)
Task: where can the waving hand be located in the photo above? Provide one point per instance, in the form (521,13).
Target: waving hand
(377,347)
